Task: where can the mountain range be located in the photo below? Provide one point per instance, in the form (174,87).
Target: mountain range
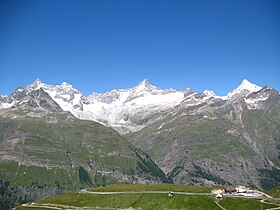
(162,135)
(126,110)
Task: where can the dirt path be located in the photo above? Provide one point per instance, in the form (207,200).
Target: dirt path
(42,206)
(142,192)
(63,207)
(271,202)
(217,203)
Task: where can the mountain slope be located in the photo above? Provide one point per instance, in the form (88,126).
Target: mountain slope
(233,141)
(41,143)
(194,137)
(60,149)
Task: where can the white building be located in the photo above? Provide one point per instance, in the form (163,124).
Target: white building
(241,189)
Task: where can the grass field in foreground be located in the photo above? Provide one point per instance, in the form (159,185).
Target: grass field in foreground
(75,200)
(154,187)
(143,201)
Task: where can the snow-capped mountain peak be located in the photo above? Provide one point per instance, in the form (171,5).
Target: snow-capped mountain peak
(209,93)
(65,85)
(37,81)
(144,85)
(245,84)
(244,87)
(133,108)
(37,84)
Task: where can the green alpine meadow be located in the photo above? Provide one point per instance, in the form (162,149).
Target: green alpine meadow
(148,197)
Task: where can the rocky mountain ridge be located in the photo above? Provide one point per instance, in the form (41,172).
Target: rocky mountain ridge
(127,110)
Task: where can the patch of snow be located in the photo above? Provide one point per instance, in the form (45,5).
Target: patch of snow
(6,105)
(122,121)
(67,97)
(183,114)
(209,93)
(150,99)
(252,101)
(163,124)
(20,89)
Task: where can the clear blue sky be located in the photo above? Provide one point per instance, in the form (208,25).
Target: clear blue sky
(98,45)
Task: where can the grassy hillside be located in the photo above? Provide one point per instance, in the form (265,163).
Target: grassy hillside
(144,201)
(71,153)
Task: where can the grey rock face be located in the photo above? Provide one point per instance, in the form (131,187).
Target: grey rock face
(19,94)
(109,97)
(37,99)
